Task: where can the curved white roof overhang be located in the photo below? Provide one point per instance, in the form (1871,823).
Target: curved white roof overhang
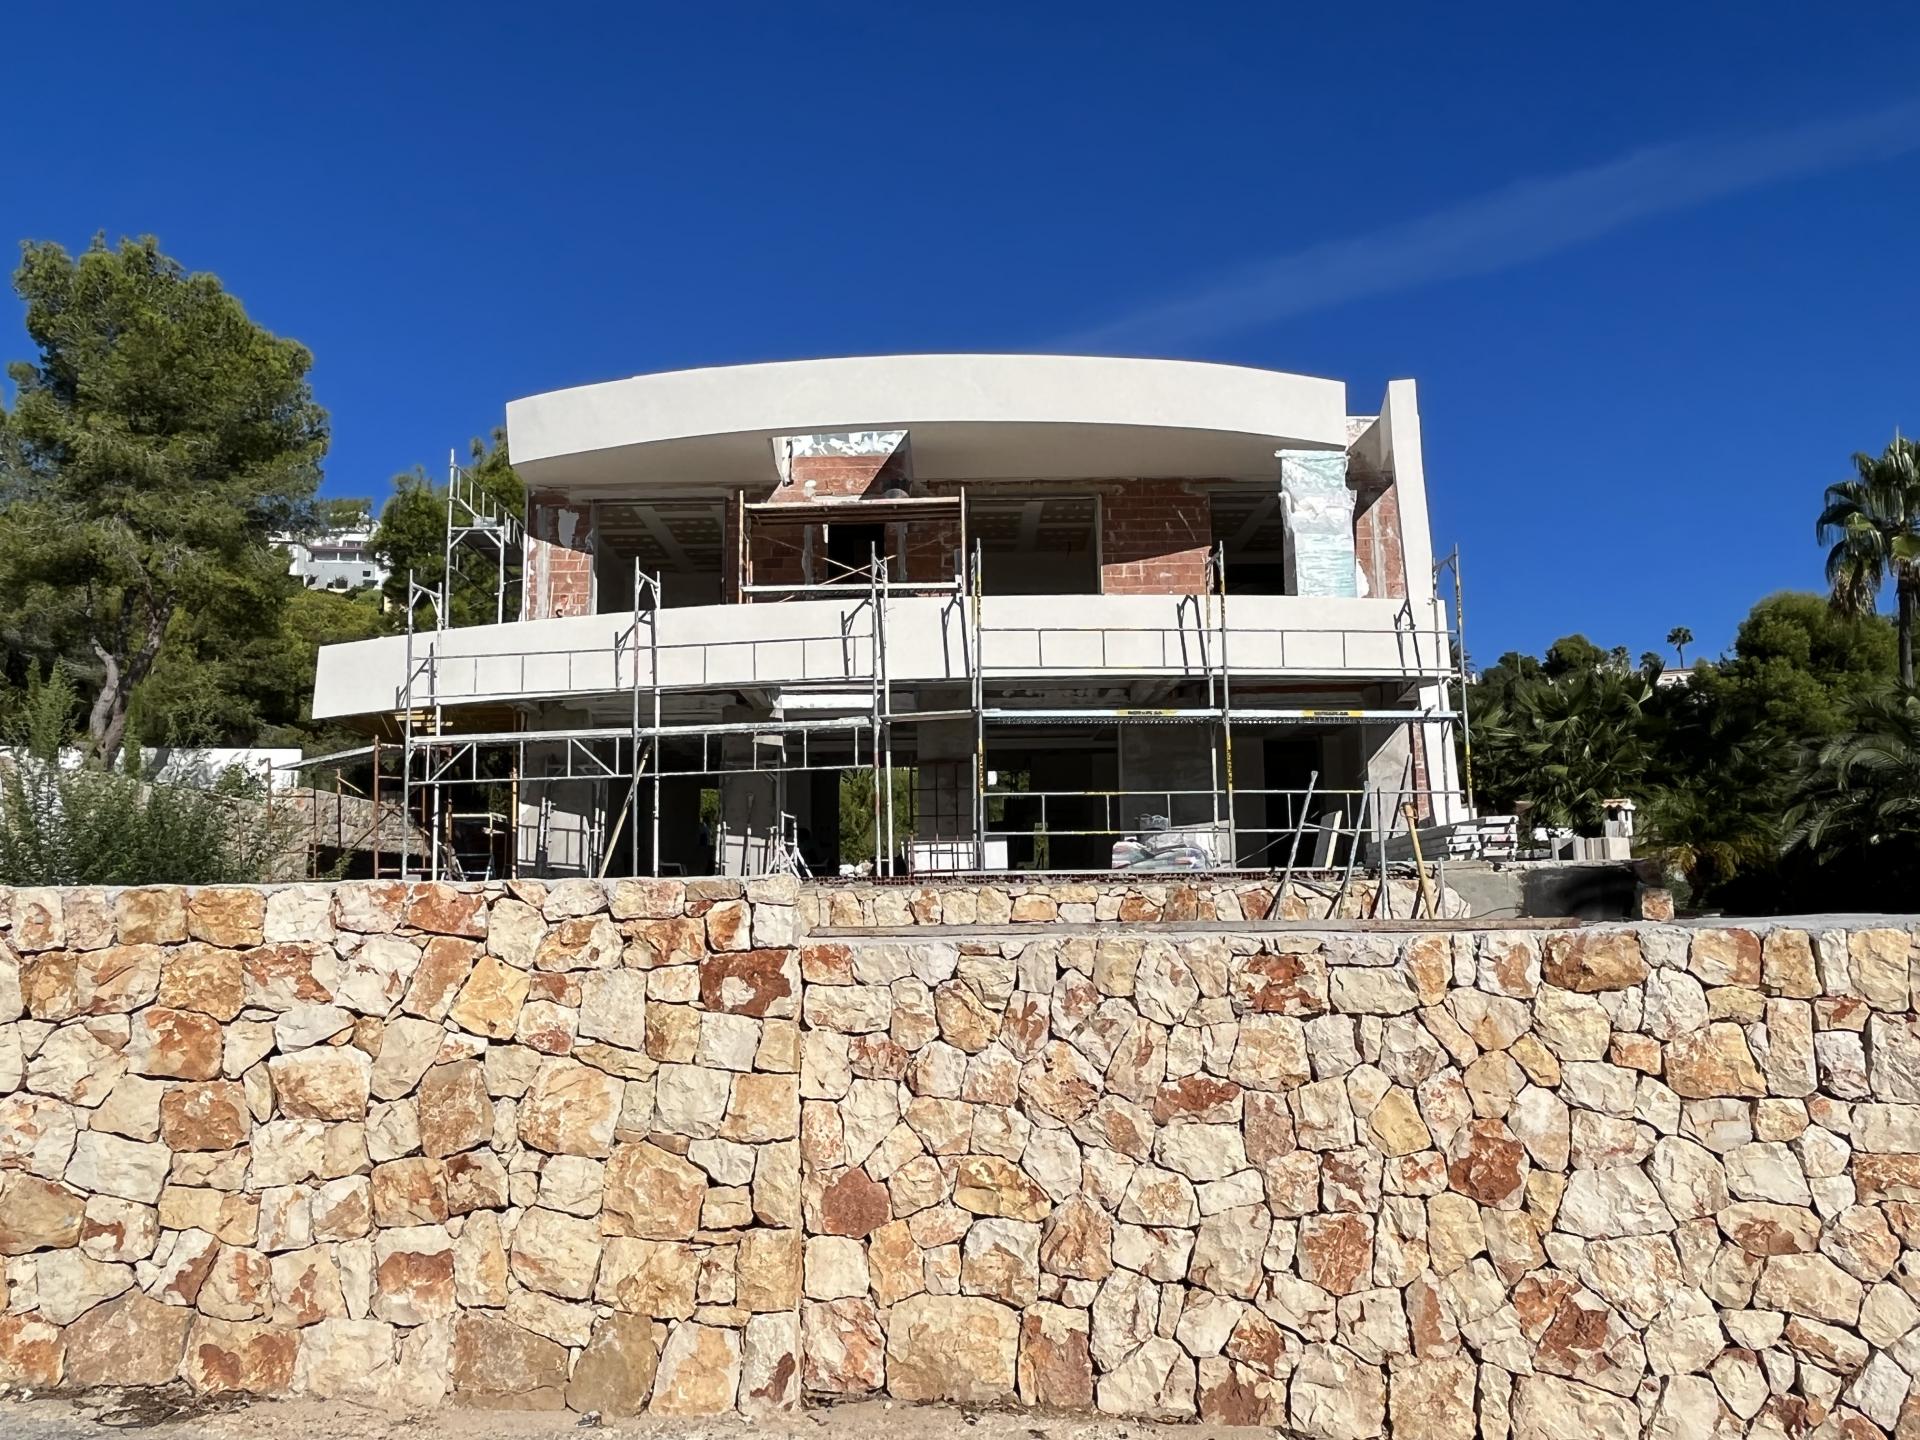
(971,417)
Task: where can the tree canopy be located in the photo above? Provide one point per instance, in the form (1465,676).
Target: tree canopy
(412,535)
(1717,764)
(155,441)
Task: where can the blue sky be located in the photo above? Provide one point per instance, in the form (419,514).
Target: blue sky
(1653,267)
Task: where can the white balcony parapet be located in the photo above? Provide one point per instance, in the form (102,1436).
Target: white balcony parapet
(830,642)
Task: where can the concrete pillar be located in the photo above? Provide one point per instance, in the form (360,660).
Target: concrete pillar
(750,804)
(1172,758)
(559,563)
(559,820)
(1319,516)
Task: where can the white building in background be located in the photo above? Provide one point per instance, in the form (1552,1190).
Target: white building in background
(334,559)
(202,767)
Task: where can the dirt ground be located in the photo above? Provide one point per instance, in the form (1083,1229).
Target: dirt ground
(179,1416)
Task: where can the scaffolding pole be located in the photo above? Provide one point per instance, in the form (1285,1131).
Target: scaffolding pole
(880,775)
(884,731)
(653,665)
(474,520)
(1212,578)
(1226,713)
(1460,672)
(976,666)
(416,592)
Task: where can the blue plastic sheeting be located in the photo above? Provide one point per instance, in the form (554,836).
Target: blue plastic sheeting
(1319,516)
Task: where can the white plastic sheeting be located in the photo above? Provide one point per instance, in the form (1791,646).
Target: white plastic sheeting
(1319,515)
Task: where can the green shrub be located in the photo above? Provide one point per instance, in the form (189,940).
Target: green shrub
(89,826)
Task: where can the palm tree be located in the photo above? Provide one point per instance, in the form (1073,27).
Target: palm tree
(1567,746)
(1872,526)
(1679,637)
(1858,799)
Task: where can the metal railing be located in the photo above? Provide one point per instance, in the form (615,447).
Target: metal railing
(1115,813)
(1330,832)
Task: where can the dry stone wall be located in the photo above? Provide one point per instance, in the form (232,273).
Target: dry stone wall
(652,1147)
(520,1146)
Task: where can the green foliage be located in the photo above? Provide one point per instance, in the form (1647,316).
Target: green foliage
(1564,745)
(1714,764)
(1711,804)
(90,826)
(412,537)
(1856,806)
(856,812)
(1575,655)
(156,440)
(1802,666)
(223,685)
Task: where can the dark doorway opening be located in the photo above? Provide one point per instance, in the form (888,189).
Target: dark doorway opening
(850,548)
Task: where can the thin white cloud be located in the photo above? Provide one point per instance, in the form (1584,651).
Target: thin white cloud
(1507,227)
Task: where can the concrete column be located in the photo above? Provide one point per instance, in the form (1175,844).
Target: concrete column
(559,564)
(558,819)
(1172,758)
(1319,516)
(750,805)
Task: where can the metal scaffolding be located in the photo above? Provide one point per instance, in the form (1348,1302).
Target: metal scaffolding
(475,523)
(434,758)
(1250,827)
(1219,712)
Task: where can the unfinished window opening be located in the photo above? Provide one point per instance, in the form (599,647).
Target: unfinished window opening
(680,539)
(1037,544)
(1051,802)
(1252,527)
(850,549)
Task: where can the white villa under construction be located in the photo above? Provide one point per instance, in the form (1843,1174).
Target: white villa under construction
(930,613)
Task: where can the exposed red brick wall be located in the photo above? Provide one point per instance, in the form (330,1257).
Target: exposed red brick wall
(776,556)
(559,565)
(930,551)
(927,555)
(1154,538)
(774,553)
(841,477)
(1376,522)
